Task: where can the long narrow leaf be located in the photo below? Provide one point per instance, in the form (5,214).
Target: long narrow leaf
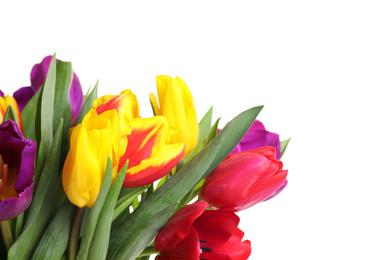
(64,75)
(102,233)
(29,114)
(54,241)
(10,115)
(90,97)
(95,213)
(283,146)
(126,201)
(142,237)
(44,118)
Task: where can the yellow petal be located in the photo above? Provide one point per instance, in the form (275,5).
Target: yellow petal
(91,143)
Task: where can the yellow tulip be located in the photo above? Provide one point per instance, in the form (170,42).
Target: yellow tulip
(177,105)
(96,137)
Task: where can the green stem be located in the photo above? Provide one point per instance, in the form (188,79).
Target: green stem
(148,251)
(75,234)
(7,235)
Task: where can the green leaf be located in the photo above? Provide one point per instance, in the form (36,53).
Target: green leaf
(283,146)
(44,118)
(29,116)
(102,232)
(174,189)
(213,132)
(204,129)
(64,75)
(55,240)
(125,202)
(89,98)
(205,124)
(43,205)
(94,215)
(10,115)
(146,232)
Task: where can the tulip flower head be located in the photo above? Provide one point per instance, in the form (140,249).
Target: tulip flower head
(17,157)
(6,101)
(113,127)
(38,77)
(177,105)
(194,233)
(244,179)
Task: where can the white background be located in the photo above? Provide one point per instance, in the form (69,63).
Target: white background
(321,69)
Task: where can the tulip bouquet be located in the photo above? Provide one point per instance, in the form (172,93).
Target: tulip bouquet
(83,177)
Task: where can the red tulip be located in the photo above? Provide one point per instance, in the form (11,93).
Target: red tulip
(193,233)
(244,179)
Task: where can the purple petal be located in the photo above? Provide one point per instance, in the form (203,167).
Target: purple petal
(1,93)
(23,95)
(39,72)
(76,98)
(18,153)
(12,207)
(257,137)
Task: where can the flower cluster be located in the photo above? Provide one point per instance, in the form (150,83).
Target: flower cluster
(164,185)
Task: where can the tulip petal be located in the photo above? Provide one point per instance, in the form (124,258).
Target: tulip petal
(257,137)
(179,226)
(187,249)
(91,143)
(76,98)
(39,72)
(216,226)
(234,249)
(177,105)
(12,207)
(18,153)
(23,95)
(150,157)
(261,192)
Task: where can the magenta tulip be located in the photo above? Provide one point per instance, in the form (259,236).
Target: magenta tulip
(17,156)
(244,179)
(257,137)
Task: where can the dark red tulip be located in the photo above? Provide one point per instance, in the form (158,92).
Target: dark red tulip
(193,233)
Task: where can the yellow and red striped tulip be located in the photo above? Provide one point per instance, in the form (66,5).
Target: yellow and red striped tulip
(113,127)
(4,103)
(177,105)
(144,141)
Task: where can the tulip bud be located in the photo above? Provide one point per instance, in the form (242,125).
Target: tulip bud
(177,105)
(244,179)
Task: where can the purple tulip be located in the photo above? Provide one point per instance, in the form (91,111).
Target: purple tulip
(38,76)
(1,93)
(17,156)
(257,137)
